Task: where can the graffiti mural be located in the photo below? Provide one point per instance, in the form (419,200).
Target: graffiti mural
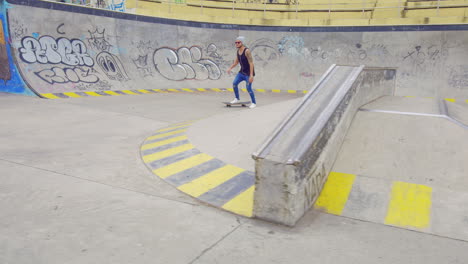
(264,50)
(109,63)
(5,74)
(64,75)
(117,5)
(185,64)
(111,66)
(145,48)
(98,40)
(47,50)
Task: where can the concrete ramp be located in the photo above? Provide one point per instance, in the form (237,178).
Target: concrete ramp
(294,162)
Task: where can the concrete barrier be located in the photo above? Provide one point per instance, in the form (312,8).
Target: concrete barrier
(293,163)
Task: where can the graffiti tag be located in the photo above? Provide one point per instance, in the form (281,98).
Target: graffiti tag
(185,63)
(48,50)
(65,75)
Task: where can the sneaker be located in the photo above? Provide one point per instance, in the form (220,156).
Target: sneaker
(252,105)
(235,101)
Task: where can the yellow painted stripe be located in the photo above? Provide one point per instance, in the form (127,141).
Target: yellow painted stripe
(244,90)
(173,127)
(242,204)
(450,100)
(335,193)
(143,91)
(111,93)
(182,165)
(216,89)
(173,90)
(128,92)
(50,96)
(163,142)
(92,93)
(410,205)
(166,134)
(292,91)
(201,89)
(187,90)
(466,101)
(305,91)
(230,89)
(276,91)
(409,96)
(260,90)
(167,153)
(209,181)
(71,94)
(182,123)
(159,90)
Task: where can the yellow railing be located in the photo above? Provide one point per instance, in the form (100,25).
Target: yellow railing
(229,10)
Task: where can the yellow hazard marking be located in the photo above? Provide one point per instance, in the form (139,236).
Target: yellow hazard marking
(166,134)
(72,94)
(450,100)
(163,142)
(243,89)
(466,101)
(276,90)
(216,89)
(409,96)
(305,91)
(230,89)
(173,90)
(173,127)
(410,205)
(50,96)
(144,91)
(182,165)
(242,204)
(167,153)
(92,93)
(111,93)
(260,90)
(292,91)
(187,90)
(128,92)
(335,193)
(201,89)
(182,123)
(209,181)
(159,90)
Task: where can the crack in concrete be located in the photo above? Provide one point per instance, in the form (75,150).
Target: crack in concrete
(215,244)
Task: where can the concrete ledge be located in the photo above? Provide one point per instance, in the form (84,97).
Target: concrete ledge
(293,163)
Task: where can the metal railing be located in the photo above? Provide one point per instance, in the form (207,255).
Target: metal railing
(330,7)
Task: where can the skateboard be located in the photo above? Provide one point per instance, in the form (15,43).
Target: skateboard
(243,104)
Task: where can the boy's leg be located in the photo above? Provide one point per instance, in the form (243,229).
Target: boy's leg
(249,89)
(235,85)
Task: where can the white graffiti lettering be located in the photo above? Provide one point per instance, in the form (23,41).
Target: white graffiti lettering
(65,75)
(185,63)
(48,50)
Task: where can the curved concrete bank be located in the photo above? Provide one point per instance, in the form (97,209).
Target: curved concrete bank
(62,48)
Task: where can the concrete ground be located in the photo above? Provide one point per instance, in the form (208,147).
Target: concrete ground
(74,189)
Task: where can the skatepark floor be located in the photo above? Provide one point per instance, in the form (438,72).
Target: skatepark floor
(74,188)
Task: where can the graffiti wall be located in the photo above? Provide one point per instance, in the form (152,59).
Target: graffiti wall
(81,52)
(10,81)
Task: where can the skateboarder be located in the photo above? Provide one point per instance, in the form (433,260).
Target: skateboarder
(246,73)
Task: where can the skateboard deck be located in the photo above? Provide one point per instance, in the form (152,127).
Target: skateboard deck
(243,104)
